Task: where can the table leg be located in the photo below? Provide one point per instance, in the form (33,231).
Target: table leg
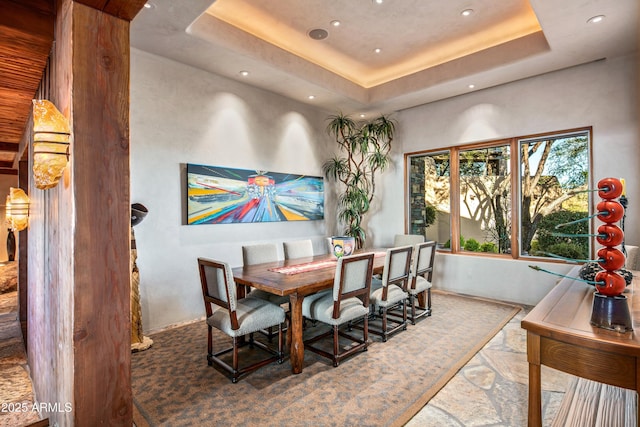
(295,336)
(535,398)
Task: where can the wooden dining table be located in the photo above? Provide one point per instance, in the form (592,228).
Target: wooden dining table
(296,278)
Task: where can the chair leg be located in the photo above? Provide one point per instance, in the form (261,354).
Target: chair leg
(234,378)
(365,333)
(412,299)
(209,345)
(384,324)
(280,345)
(336,345)
(404,315)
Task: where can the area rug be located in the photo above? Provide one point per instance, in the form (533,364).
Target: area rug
(385,386)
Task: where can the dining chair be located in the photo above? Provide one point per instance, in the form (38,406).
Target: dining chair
(236,318)
(390,292)
(348,301)
(407,239)
(260,254)
(421,275)
(298,249)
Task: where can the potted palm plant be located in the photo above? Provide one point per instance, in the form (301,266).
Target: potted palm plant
(365,150)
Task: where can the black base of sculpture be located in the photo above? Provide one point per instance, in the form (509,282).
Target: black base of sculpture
(611,313)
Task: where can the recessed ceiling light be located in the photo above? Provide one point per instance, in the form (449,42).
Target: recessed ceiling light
(335,23)
(244,73)
(467,12)
(595,19)
(318,34)
(362,116)
(311,97)
(149,5)
(377,50)
(471,86)
(377,1)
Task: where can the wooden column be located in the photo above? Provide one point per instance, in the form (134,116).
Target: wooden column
(79,274)
(100,177)
(23,261)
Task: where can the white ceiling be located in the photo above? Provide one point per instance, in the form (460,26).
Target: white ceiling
(429,51)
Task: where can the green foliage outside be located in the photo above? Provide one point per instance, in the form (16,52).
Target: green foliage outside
(430,213)
(472,245)
(567,250)
(489,247)
(569,246)
(447,244)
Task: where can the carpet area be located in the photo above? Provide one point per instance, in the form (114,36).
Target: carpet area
(385,386)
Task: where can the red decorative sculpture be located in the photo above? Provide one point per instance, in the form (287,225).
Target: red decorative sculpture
(608,282)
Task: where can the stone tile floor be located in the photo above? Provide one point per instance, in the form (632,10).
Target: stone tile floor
(16,393)
(492,389)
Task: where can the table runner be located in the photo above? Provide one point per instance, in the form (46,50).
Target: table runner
(310,266)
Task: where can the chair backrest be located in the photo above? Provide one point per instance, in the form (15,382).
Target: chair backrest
(259,254)
(298,249)
(397,266)
(352,279)
(218,287)
(424,255)
(407,239)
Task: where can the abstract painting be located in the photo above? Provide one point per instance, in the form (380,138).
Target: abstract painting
(219,195)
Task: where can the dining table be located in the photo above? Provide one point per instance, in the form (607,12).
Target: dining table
(297,278)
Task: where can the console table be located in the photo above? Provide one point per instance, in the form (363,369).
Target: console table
(559,335)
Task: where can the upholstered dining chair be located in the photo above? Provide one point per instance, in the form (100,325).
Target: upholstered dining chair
(348,301)
(298,249)
(236,318)
(421,274)
(391,291)
(407,239)
(260,254)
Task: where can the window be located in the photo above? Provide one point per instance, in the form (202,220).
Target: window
(485,199)
(554,171)
(429,195)
(468,195)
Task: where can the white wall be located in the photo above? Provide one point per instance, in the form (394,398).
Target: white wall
(180,115)
(601,94)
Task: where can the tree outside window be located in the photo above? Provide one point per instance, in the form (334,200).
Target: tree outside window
(555,171)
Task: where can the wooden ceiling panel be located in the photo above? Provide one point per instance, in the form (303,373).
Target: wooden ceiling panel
(26,37)
(6,160)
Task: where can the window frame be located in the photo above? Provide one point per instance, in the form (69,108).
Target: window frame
(514,144)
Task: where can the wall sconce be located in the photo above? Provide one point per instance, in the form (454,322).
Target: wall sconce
(51,134)
(17,209)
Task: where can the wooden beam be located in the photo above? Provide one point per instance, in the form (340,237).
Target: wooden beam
(8,171)
(123,9)
(100,165)
(11,147)
(23,255)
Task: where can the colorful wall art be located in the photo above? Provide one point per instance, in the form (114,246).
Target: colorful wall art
(219,195)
